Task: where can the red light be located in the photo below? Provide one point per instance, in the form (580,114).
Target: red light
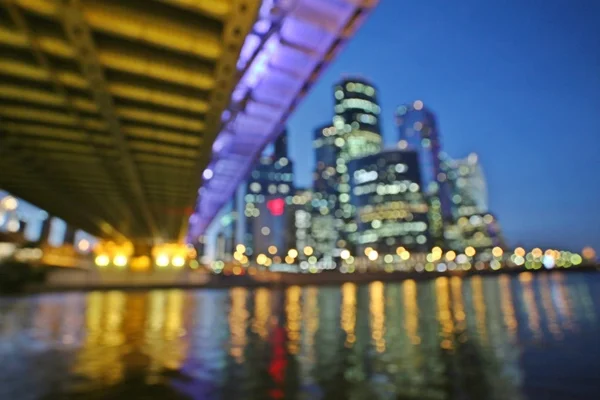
(276,206)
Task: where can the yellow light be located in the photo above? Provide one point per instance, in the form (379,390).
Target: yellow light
(537,252)
(405,255)
(83,245)
(261,259)
(293,253)
(102,260)
(237,256)
(470,251)
(436,249)
(244,260)
(289,260)
(368,251)
(140,263)
(308,250)
(268,262)
(519,251)
(450,256)
(9,203)
(344,254)
(497,252)
(178,261)
(400,250)
(120,260)
(240,248)
(272,249)
(373,255)
(588,253)
(162,260)
(237,270)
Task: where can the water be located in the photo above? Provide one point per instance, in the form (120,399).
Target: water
(525,337)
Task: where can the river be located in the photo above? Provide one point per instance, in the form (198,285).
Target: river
(495,337)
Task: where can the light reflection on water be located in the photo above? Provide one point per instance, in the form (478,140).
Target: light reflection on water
(531,336)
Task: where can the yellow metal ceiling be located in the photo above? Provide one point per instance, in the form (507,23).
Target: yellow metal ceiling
(108,108)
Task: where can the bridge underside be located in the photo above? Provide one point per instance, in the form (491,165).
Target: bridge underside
(111,110)
(108,109)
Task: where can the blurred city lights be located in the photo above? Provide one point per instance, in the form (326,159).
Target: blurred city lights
(102,260)
(497,252)
(120,260)
(162,260)
(178,261)
(344,254)
(83,245)
(9,203)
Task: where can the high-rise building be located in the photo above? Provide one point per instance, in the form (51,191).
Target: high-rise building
(357,117)
(303,215)
(468,187)
(267,201)
(324,200)
(480,231)
(358,134)
(391,210)
(472,223)
(418,131)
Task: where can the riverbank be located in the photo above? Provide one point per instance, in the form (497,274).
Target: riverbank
(69,280)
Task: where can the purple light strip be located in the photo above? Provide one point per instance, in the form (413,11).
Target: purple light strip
(280,39)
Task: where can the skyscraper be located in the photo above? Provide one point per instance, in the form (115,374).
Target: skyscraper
(324,200)
(358,132)
(467,185)
(418,131)
(472,223)
(268,197)
(391,210)
(357,117)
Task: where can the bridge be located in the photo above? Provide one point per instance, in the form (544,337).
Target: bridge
(114,113)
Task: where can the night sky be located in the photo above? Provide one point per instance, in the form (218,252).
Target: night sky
(516,81)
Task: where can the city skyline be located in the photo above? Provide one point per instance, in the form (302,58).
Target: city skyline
(473,92)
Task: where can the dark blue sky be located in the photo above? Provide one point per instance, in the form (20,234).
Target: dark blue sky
(517,81)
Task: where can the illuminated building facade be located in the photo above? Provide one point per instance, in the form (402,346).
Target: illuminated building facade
(324,200)
(303,215)
(468,186)
(472,223)
(358,128)
(480,231)
(267,201)
(391,210)
(418,131)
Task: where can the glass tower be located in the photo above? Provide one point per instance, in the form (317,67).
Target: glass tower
(267,203)
(358,132)
(418,131)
